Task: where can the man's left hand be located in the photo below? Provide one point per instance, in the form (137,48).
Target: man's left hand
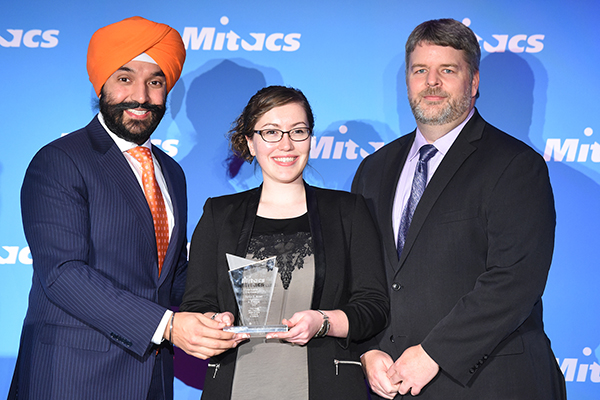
(413,370)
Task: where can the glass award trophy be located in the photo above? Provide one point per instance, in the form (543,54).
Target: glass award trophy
(253,283)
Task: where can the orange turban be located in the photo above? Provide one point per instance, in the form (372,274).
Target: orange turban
(115,45)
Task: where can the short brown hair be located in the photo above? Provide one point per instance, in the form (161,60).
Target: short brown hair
(446,32)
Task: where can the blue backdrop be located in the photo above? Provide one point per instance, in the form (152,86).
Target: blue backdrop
(538,70)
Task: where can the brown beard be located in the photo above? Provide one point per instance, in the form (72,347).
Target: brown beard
(453,109)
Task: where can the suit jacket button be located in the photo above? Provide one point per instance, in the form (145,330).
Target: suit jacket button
(472,370)
(396,286)
(392,339)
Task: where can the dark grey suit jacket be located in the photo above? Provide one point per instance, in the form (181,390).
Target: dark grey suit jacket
(348,276)
(468,285)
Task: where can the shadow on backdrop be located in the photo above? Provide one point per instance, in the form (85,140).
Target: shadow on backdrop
(513,98)
(337,152)
(213,101)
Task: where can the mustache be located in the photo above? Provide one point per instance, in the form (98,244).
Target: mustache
(134,104)
(433,91)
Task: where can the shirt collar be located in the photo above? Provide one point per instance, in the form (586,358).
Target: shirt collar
(443,144)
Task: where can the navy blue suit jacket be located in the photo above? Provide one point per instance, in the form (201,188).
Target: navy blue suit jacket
(96,297)
(468,285)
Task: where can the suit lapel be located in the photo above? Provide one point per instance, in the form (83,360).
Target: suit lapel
(318,244)
(460,150)
(393,165)
(119,172)
(244,225)
(171,182)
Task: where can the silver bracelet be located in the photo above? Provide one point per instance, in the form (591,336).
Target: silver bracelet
(324,330)
(171,328)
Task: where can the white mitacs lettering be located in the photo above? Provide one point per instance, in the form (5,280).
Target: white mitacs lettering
(572,150)
(576,371)
(208,38)
(11,254)
(516,43)
(322,148)
(169,146)
(34,38)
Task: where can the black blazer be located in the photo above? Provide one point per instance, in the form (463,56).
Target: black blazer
(468,285)
(349,275)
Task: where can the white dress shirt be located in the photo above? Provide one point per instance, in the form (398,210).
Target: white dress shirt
(136,166)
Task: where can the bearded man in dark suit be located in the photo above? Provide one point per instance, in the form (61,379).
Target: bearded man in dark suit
(466,215)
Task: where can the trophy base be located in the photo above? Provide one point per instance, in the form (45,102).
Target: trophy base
(256,331)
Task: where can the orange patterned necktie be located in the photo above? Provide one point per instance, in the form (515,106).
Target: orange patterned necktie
(155,201)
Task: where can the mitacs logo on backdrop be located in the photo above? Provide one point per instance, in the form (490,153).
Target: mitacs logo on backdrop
(328,146)
(581,370)
(12,254)
(516,43)
(33,38)
(572,150)
(209,39)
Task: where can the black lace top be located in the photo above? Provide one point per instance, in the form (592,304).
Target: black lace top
(288,239)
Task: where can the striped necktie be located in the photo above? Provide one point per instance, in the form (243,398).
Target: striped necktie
(418,187)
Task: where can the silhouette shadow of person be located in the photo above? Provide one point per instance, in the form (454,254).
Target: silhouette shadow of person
(213,101)
(513,98)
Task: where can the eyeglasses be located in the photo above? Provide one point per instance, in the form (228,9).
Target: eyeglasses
(275,135)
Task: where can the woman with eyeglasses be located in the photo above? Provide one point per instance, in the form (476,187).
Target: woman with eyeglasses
(330,289)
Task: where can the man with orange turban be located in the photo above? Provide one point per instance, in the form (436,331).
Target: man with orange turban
(104,213)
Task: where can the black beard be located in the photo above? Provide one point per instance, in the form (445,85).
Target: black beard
(137,132)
